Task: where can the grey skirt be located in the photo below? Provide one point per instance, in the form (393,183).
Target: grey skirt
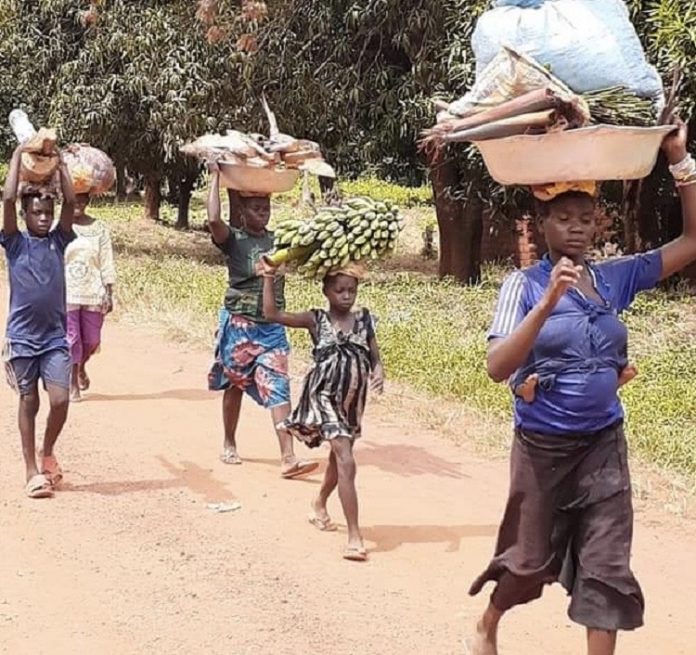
(569,519)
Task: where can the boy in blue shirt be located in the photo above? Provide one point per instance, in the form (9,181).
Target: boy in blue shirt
(35,341)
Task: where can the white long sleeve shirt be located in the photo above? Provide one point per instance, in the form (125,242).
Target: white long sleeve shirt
(89,265)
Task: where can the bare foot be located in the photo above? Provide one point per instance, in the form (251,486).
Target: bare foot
(481,644)
(83,379)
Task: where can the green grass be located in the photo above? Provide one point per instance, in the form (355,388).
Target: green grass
(432,333)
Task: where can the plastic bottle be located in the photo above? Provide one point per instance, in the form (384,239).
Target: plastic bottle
(21,125)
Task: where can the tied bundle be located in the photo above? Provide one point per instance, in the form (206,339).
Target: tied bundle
(91,169)
(359,230)
(277,151)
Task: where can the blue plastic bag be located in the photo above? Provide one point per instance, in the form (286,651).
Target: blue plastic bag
(588,44)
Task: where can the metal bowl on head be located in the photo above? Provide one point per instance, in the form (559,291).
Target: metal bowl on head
(599,153)
(256,180)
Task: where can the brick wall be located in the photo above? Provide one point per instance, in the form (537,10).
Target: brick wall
(521,242)
(518,242)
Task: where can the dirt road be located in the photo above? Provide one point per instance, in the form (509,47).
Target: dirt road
(129,560)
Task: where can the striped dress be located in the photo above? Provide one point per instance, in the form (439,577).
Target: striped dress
(335,389)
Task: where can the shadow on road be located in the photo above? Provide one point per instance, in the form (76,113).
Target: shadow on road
(390,537)
(189,476)
(192,395)
(407,461)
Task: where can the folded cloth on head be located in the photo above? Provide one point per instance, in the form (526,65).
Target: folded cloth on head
(547,192)
(353,269)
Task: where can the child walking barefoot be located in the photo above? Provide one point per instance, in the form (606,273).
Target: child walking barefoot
(346,360)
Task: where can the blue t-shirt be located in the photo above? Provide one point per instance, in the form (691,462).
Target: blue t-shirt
(36,322)
(582,347)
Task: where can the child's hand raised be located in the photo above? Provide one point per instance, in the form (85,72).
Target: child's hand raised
(377,379)
(265,269)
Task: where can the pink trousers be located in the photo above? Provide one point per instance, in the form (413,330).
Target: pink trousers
(84,333)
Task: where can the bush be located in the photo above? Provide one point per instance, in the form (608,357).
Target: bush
(380,190)
(432,334)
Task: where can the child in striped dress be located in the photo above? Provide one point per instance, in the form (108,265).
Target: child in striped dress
(346,361)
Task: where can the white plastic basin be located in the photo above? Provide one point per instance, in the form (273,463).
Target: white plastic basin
(249,179)
(600,152)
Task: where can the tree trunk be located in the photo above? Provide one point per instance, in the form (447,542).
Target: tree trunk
(652,213)
(185,190)
(153,197)
(467,249)
(460,224)
(120,182)
(630,206)
(235,202)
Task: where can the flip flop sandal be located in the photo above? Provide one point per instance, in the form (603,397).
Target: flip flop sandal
(50,469)
(299,469)
(323,525)
(355,554)
(39,487)
(230,457)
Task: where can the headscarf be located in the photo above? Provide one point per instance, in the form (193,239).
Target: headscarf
(352,269)
(547,192)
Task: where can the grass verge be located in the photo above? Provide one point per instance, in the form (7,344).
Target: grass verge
(432,333)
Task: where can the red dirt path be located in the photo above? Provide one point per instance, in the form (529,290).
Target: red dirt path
(128,560)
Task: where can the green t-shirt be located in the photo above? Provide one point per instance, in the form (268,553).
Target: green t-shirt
(244,296)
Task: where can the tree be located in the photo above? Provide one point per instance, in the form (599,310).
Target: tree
(138,82)
(360,77)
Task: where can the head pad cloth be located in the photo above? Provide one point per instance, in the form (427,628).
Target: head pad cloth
(547,192)
(353,269)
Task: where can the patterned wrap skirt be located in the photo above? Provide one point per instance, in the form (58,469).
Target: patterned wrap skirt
(252,357)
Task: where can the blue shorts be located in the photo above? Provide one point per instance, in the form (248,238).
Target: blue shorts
(51,367)
(252,357)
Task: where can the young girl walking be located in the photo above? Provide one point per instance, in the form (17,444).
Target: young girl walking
(90,277)
(346,360)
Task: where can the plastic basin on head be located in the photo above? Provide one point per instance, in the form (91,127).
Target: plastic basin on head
(249,179)
(600,152)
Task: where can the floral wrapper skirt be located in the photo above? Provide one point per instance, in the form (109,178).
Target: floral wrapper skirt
(252,357)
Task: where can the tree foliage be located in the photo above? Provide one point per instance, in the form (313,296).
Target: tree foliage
(140,77)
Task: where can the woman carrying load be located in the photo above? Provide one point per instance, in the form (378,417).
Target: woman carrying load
(251,355)
(558,339)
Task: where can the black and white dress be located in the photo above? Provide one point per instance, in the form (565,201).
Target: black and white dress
(335,389)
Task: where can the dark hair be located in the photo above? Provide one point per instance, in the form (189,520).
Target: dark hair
(327,282)
(246,200)
(28,196)
(330,280)
(544,207)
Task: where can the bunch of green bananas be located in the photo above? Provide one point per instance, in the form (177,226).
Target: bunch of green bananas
(358,230)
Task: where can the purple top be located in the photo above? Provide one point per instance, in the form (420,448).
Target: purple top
(582,346)
(36,322)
